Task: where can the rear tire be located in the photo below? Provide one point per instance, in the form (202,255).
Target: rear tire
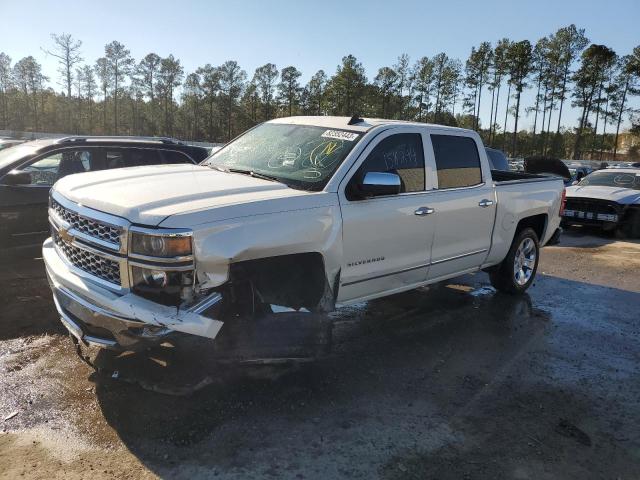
(515,274)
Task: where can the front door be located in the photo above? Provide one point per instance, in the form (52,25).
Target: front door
(386,240)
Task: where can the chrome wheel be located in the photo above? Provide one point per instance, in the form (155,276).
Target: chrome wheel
(525,261)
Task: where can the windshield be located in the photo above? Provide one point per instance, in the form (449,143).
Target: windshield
(299,156)
(10,155)
(613,179)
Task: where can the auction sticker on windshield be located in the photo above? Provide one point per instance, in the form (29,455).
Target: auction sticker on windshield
(340,135)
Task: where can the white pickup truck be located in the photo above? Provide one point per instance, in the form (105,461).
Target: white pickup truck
(307,213)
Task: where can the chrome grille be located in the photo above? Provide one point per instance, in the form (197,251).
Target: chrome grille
(101,267)
(591,210)
(88,226)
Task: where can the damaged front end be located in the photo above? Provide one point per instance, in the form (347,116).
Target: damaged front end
(127,288)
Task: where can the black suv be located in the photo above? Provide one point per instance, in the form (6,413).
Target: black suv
(28,171)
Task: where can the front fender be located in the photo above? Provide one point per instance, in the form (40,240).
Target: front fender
(220,244)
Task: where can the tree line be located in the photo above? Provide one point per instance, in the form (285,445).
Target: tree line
(118,95)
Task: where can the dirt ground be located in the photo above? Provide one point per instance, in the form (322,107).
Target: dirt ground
(450,382)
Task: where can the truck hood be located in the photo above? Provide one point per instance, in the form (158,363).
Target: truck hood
(623,196)
(149,195)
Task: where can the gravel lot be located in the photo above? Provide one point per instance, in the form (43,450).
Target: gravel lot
(455,381)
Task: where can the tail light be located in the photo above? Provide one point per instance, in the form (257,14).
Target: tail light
(563,202)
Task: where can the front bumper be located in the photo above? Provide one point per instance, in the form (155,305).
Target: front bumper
(98,316)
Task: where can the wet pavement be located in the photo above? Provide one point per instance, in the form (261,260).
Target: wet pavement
(452,381)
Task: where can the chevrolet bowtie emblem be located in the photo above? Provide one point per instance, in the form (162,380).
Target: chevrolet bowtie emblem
(65,235)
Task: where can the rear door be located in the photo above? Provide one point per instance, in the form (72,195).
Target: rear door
(464,204)
(25,209)
(386,242)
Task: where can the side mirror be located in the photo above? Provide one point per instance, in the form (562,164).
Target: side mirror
(16,177)
(575,182)
(377,184)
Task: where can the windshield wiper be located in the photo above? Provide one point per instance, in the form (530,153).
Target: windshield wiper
(251,173)
(254,174)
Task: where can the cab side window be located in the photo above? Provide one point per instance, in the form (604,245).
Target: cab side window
(457,161)
(55,166)
(401,154)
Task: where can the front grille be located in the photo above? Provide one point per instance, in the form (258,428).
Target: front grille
(88,226)
(96,265)
(591,211)
(593,205)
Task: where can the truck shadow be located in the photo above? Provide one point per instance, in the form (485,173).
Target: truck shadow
(454,374)
(579,236)
(399,347)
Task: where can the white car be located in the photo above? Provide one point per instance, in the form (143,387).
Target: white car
(608,198)
(305,213)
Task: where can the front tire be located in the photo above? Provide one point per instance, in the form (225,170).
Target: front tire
(515,274)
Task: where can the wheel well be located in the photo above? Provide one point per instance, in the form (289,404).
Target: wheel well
(296,280)
(537,222)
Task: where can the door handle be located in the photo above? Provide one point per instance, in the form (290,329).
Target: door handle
(424,211)
(485,203)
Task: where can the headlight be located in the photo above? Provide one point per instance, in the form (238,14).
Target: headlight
(155,278)
(166,286)
(161,264)
(161,244)
(150,278)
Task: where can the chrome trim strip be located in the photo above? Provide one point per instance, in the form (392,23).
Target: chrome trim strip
(162,232)
(59,222)
(520,181)
(163,267)
(161,260)
(424,265)
(419,192)
(95,251)
(206,303)
(457,257)
(455,189)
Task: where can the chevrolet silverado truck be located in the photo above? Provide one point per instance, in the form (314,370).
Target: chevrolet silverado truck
(299,216)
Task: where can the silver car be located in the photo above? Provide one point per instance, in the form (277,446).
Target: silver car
(608,198)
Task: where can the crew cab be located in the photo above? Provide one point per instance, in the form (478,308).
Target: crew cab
(307,213)
(28,171)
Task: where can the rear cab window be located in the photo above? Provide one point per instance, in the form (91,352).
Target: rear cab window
(457,161)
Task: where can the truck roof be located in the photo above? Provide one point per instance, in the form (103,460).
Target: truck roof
(361,125)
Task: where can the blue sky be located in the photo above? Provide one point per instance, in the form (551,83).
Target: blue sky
(309,35)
